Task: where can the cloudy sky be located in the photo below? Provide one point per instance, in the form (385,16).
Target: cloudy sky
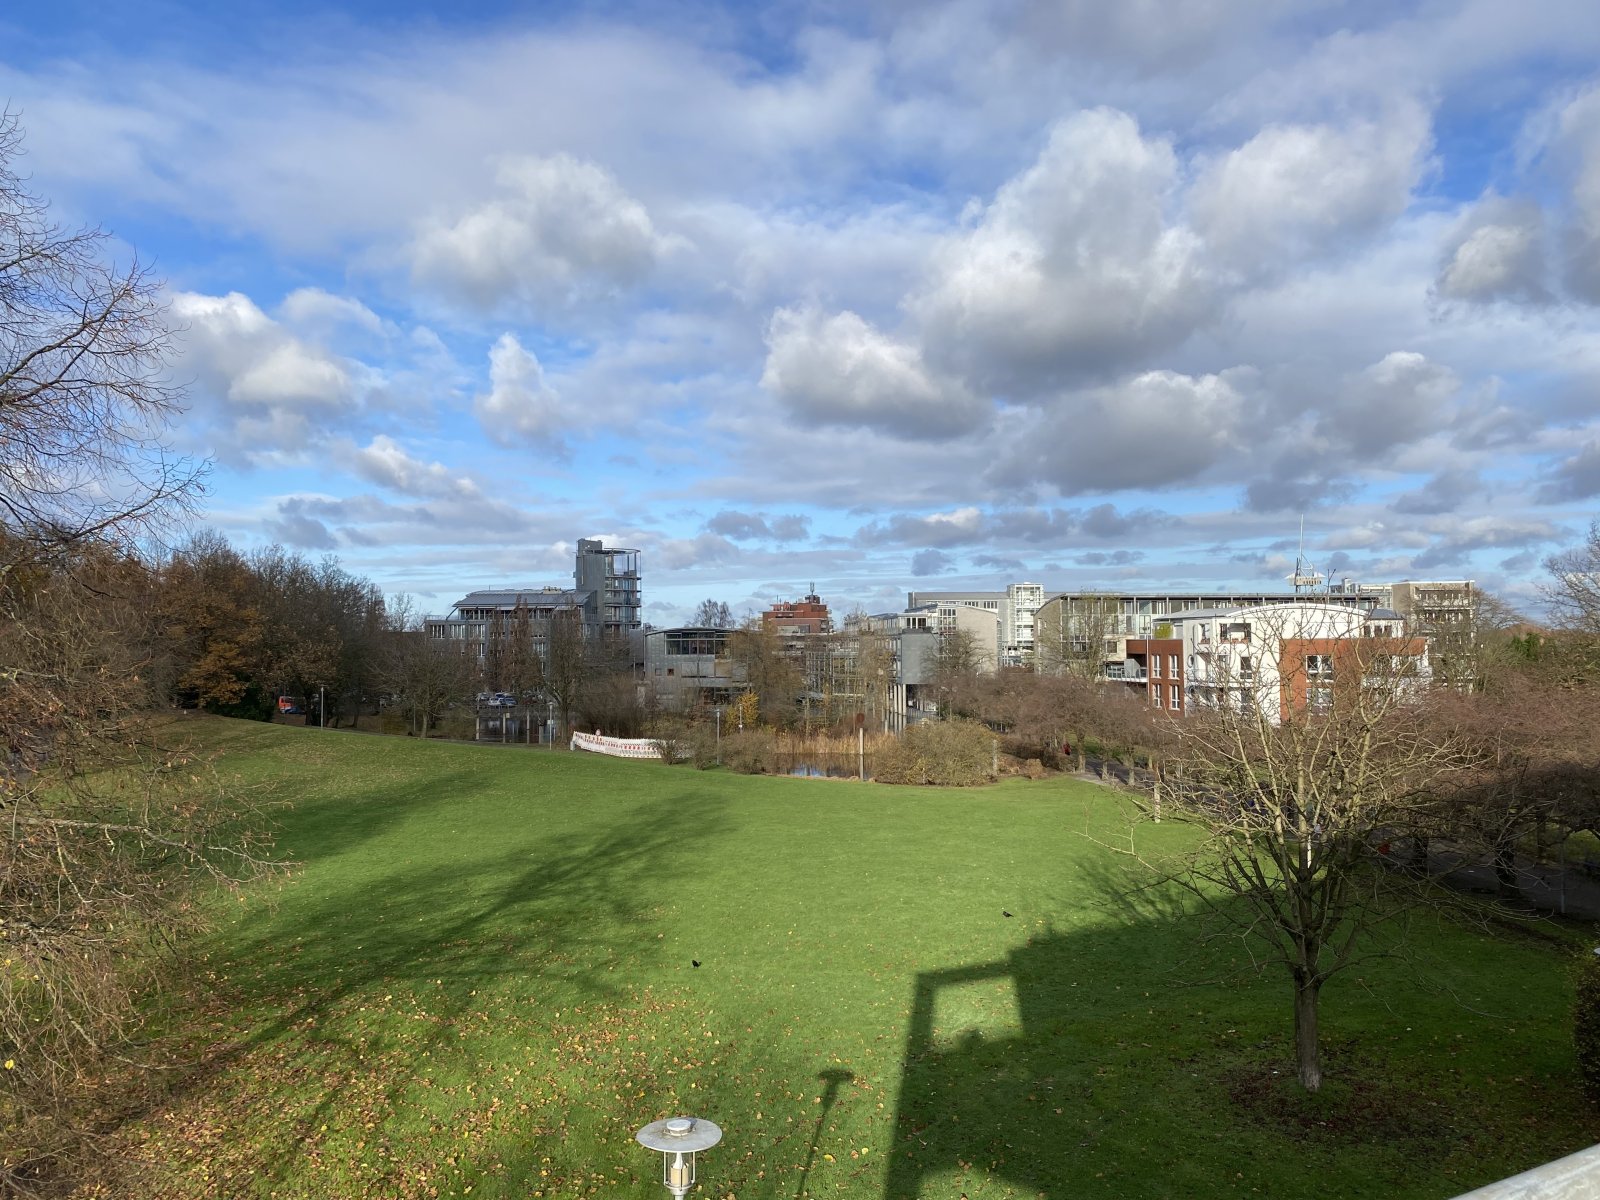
(883,296)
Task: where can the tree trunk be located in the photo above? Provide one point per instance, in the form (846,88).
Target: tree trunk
(1419,854)
(1505,868)
(1307,1051)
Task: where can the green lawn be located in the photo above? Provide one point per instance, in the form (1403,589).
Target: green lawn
(480,981)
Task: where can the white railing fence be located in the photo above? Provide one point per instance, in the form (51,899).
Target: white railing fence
(1575,1177)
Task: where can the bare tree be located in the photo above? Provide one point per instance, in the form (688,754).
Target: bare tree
(1573,592)
(564,663)
(713,614)
(1291,810)
(870,656)
(1573,596)
(425,677)
(108,823)
(84,350)
(610,692)
(1074,635)
(770,670)
(513,664)
(957,672)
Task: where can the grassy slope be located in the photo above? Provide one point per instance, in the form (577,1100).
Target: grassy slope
(481,976)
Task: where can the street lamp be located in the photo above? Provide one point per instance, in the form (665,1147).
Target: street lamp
(678,1139)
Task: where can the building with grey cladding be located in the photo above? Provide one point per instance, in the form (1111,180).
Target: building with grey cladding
(605,601)
(689,668)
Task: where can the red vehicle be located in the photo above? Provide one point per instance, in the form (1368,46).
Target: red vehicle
(287,706)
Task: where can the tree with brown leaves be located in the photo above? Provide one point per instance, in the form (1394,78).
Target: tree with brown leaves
(107,823)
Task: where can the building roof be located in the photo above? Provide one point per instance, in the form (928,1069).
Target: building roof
(512,597)
(1200,614)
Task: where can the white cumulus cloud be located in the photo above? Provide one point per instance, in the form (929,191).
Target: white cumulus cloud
(519,405)
(1297,190)
(386,463)
(563,231)
(841,370)
(1497,254)
(264,388)
(1072,270)
(1156,429)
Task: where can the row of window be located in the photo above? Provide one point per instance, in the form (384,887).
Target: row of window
(1174,694)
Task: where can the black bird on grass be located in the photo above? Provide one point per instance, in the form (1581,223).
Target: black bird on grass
(694,962)
(1004,913)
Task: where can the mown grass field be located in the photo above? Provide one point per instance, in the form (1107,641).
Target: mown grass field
(479,981)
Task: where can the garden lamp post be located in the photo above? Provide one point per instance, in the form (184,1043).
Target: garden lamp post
(678,1139)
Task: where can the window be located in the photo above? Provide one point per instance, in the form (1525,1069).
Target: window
(1246,668)
(1172,666)
(1155,696)
(1319,666)
(1172,696)
(1319,699)
(1155,666)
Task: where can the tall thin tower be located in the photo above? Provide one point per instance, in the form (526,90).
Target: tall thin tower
(1305,578)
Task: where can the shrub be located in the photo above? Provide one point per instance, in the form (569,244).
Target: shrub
(253,705)
(1586,1023)
(750,752)
(703,748)
(947,753)
(670,735)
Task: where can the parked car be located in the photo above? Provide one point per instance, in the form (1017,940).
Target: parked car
(504,700)
(288,706)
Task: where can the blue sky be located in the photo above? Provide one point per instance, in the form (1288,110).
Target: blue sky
(877,297)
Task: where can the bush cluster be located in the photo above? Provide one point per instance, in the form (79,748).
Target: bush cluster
(684,740)
(1586,1023)
(947,753)
(751,752)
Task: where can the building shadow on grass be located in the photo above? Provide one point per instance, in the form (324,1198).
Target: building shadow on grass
(559,914)
(1032,1068)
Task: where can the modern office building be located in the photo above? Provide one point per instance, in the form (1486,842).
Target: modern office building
(1280,658)
(689,668)
(608,579)
(1012,611)
(910,642)
(498,627)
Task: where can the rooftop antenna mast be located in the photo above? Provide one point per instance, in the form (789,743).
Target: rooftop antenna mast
(1305,578)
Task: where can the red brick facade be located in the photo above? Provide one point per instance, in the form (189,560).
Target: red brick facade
(1161,661)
